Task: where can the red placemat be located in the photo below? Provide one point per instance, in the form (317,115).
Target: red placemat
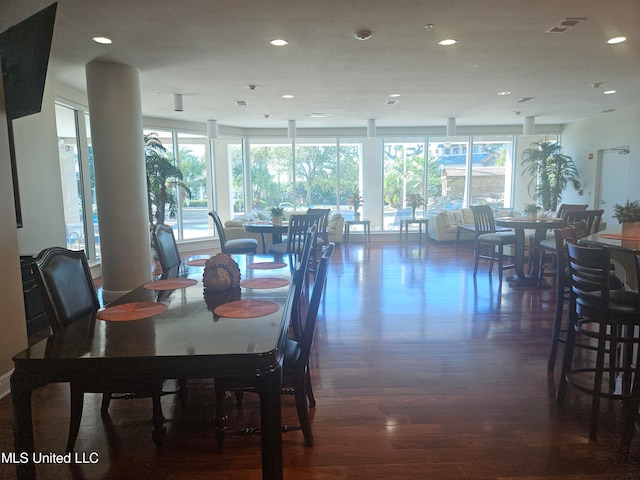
(267,265)
(131,311)
(266,282)
(246,309)
(170,283)
(197,262)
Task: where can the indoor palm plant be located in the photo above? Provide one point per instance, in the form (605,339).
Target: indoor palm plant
(628,214)
(163,180)
(551,172)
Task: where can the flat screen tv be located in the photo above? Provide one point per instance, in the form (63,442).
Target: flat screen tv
(24,52)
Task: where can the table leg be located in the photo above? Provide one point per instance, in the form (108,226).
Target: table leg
(22,427)
(271,424)
(521,278)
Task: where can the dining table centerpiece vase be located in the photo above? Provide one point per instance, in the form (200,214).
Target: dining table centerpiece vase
(276,215)
(531,211)
(415,201)
(355,201)
(628,214)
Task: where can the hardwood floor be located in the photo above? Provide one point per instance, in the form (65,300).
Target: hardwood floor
(419,373)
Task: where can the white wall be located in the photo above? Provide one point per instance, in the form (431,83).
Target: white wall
(39,179)
(584,138)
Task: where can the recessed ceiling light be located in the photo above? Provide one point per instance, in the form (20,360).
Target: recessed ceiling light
(320,115)
(278,42)
(394,95)
(615,40)
(447,41)
(287,95)
(504,93)
(102,40)
(609,92)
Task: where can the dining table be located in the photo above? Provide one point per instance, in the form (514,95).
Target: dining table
(196,334)
(264,228)
(520,225)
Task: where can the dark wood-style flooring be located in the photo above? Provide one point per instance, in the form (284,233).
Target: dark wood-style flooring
(419,373)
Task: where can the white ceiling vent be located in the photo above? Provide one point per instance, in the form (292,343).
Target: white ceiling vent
(241,103)
(566,24)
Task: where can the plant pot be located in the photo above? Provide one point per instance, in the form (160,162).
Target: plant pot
(356,216)
(631,229)
(277,220)
(533,216)
(413,213)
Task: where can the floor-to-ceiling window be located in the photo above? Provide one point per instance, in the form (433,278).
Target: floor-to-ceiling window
(271,182)
(77,178)
(188,197)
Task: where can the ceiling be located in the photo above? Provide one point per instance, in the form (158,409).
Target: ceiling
(210,51)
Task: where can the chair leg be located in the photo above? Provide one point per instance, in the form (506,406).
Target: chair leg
(568,356)
(77,402)
(597,382)
(309,389)
(159,432)
(106,400)
(500,263)
(300,394)
(557,326)
(476,259)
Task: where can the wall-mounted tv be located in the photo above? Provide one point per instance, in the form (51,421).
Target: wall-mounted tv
(24,52)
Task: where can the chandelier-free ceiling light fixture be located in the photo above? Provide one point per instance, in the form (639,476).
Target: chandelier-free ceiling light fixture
(177,102)
(451,127)
(363,34)
(371,128)
(291,129)
(212,129)
(529,126)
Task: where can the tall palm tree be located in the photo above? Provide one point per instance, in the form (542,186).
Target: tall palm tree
(163,180)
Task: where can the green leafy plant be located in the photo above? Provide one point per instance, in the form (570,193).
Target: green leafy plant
(277,211)
(414,200)
(164,180)
(551,172)
(531,207)
(627,212)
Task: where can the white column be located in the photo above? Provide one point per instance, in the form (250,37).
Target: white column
(118,150)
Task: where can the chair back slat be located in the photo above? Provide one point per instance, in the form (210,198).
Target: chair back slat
(591,217)
(66,286)
(483,219)
(164,242)
(219,228)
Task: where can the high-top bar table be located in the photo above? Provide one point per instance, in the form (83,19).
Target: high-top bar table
(540,226)
(186,341)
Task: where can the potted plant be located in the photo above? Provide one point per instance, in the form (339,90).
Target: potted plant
(355,201)
(163,180)
(276,215)
(415,201)
(628,214)
(551,172)
(531,210)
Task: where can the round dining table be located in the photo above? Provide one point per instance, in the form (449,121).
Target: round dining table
(519,225)
(275,231)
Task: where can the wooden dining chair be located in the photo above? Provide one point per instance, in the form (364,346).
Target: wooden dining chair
(237,245)
(297,232)
(68,294)
(296,379)
(488,243)
(601,320)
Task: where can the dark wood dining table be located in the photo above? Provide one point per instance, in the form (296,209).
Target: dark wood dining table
(519,225)
(263,229)
(186,341)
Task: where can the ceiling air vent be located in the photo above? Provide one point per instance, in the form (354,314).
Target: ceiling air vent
(391,102)
(241,103)
(566,24)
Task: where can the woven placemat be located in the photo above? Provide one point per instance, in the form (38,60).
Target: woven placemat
(131,311)
(246,309)
(267,265)
(170,283)
(266,282)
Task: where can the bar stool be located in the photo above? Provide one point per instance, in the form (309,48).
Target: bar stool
(606,320)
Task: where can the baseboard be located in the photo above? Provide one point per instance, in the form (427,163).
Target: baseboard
(5,386)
